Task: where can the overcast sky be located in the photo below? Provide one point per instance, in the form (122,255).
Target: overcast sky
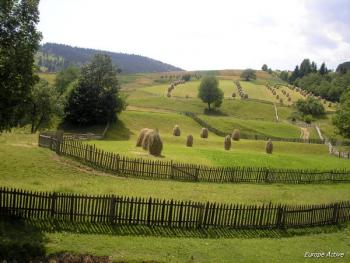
(206,34)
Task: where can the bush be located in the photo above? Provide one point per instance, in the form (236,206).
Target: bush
(204,133)
(176,130)
(155,144)
(189,141)
(310,106)
(269,147)
(141,136)
(236,135)
(227,142)
(308,119)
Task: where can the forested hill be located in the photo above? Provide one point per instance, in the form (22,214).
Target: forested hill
(55,57)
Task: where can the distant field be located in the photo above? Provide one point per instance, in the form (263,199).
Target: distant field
(268,128)
(49,77)
(121,138)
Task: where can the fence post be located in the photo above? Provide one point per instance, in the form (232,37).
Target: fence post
(335,213)
(171,170)
(280,216)
(113,201)
(149,211)
(53,204)
(267,175)
(200,217)
(197,174)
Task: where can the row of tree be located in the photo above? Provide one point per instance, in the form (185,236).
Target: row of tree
(320,81)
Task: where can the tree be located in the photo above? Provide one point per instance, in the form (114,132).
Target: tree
(323,69)
(264,67)
(95,99)
(295,75)
(248,74)
(284,75)
(209,91)
(186,77)
(305,67)
(342,117)
(313,67)
(310,106)
(19,41)
(44,104)
(66,77)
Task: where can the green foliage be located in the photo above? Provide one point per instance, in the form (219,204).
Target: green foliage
(264,68)
(96,98)
(209,91)
(310,106)
(342,117)
(66,77)
(44,104)
(343,67)
(248,74)
(284,75)
(19,42)
(186,77)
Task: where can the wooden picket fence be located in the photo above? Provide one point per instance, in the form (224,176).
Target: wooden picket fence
(143,168)
(121,210)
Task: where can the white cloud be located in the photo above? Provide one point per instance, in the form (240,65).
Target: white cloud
(198,34)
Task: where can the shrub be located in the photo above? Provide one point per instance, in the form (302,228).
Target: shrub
(269,147)
(141,136)
(155,144)
(204,133)
(330,105)
(308,119)
(236,135)
(189,141)
(227,142)
(176,130)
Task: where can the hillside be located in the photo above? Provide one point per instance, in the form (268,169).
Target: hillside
(54,57)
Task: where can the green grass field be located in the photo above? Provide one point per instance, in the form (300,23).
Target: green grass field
(24,165)
(121,138)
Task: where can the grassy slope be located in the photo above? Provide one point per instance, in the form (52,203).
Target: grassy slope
(24,165)
(269,128)
(122,138)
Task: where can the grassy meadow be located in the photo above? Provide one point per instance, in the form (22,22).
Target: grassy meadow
(25,165)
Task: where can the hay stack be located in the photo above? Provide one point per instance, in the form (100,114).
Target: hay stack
(176,130)
(145,140)
(204,133)
(236,135)
(189,141)
(168,94)
(269,147)
(141,136)
(227,142)
(155,144)
(233,95)
(246,96)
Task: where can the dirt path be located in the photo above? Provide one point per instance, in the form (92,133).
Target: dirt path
(276,112)
(304,133)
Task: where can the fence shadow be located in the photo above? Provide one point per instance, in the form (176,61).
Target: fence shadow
(161,231)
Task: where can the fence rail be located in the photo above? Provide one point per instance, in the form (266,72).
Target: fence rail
(143,168)
(121,210)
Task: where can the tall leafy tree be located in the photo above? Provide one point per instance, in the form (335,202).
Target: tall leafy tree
(248,74)
(342,117)
(65,78)
(310,106)
(264,68)
(305,67)
(44,104)
(95,99)
(19,41)
(209,91)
